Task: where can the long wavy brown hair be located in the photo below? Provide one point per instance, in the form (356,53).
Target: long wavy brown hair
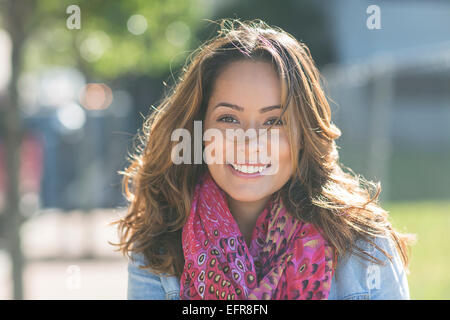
(322,191)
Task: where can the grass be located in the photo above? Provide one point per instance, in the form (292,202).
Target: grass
(429,276)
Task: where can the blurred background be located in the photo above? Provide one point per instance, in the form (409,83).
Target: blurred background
(77,79)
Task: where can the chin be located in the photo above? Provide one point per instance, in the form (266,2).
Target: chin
(247,196)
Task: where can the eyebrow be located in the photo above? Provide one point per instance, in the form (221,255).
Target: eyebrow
(238,108)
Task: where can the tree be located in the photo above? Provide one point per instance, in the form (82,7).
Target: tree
(110,44)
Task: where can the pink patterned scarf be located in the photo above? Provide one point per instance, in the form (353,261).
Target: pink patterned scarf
(287,259)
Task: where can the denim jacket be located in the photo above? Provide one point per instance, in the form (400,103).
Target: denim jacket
(354,279)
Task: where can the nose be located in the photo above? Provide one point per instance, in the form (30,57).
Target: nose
(248,148)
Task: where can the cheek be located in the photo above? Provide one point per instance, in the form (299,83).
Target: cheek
(285,149)
(280,156)
(285,158)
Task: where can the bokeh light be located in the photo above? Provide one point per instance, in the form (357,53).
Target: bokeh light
(137,24)
(71,116)
(96,96)
(94,46)
(178,33)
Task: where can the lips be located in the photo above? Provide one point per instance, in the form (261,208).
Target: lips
(249,168)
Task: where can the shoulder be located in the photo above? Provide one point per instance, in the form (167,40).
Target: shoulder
(143,284)
(357,278)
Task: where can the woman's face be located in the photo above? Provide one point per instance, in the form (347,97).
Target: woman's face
(241,95)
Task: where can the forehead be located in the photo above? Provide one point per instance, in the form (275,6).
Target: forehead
(250,84)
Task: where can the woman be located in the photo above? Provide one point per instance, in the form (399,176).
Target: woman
(294,225)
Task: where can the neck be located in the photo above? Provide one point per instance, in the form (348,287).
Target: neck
(246,214)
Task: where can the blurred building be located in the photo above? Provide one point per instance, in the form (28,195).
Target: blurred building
(391,88)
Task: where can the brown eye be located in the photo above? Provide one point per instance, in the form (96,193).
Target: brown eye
(227,119)
(272,122)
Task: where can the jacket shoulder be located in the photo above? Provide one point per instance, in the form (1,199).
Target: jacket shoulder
(144,284)
(357,278)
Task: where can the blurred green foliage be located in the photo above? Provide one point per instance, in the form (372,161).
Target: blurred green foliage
(104,47)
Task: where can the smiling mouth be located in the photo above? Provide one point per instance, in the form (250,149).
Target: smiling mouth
(250,168)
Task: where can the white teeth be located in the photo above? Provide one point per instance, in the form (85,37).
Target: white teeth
(249,169)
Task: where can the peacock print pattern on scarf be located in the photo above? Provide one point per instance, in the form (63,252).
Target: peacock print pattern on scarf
(286,259)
